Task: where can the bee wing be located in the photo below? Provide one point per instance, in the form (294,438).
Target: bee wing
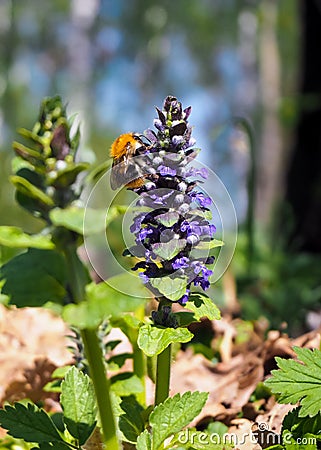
(124,170)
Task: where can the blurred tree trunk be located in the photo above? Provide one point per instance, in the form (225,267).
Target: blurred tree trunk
(304,177)
(270,157)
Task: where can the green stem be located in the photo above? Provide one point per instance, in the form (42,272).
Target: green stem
(163,375)
(139,359)
(93,352)
(139,363)
(101,384)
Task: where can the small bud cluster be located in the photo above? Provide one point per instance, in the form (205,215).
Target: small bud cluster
(45,171)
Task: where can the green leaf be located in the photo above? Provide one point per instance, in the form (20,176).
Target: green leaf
(153,340)
(132,422)
(18,163)
(203,306)
(29,423)
(28,154)
(73,219)
(85,221)
(117,361)
(184,318)
(296,382)
(174,414)
(168,219)
(68,176)
(207,245)
(34,278)
(137,288)
(167,250)
(173,288)
(300,426)
(79,404)
(290,443)
(218,428)
(144,441)
(129,325)
(125,384)
(196,213)
(55,446)
(101,302)
(15,237)
(28,189)
(97,172)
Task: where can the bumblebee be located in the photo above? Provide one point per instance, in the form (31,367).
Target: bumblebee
(125,170)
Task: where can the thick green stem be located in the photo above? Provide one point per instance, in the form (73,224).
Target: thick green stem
(139,363)
(101,384)
(93,352)
(163,371)
(139,359)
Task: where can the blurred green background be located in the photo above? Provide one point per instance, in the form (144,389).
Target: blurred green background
(114,61)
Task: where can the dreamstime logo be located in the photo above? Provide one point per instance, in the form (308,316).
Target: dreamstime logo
(260,434)
(99,247)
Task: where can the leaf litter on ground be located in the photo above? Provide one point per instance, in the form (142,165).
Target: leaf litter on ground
(33,344)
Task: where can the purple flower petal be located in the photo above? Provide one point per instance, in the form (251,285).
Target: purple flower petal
(202,200)
(144,277)
(187,111)
(165,171)
(150,135)
(180,263)
(176,140)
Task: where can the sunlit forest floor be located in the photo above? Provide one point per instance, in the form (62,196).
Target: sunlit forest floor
(33,344)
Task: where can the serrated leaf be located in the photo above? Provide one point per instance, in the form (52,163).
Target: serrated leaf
(167,250)
(125,384)
(144,441)
(207,245)
(131,423)
(101,302)
(153,340)
(174,414)
(168,219)
(300,426)
(298,382)
(28,189)
(34,278)
(14,237)
(171,288)
(79,404)
(60,372)
(203,306)
(29,423)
